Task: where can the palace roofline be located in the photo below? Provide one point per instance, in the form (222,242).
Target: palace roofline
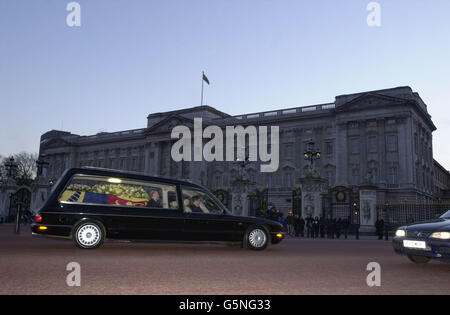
(402,93)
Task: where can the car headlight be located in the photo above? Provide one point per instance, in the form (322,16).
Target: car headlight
(441,235)
(400,233)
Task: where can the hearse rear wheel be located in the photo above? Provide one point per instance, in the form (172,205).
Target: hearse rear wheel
(89,235)
(256,238)
(419,259)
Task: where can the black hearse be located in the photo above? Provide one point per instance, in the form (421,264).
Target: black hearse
(90,205)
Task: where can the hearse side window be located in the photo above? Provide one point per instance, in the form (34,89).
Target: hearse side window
(199,202)
(102,190)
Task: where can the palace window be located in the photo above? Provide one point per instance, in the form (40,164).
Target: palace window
(269,180)
(329,148)
(288,151)
(288,180)
(355,176)
(353,125)
(218,183)
(372,123)
(354,146)
(375,177)
(424,178)
(393,176)
(416,143)
(330,177)
(372,144)
(391,143)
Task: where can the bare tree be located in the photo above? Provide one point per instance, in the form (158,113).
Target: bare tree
(2,169)
(26,166)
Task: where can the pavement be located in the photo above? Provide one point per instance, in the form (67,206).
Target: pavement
(36,265)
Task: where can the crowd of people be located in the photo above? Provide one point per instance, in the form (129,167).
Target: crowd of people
(311,227)
(320,227)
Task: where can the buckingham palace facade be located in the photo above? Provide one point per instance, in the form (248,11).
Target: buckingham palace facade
(384,133)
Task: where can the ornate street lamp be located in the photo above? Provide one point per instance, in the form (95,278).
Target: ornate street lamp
(242,174)
(40,163)
(311,153)
(11,167)
(243,162)
(356,220)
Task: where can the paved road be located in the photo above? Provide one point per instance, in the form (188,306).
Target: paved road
(38,265)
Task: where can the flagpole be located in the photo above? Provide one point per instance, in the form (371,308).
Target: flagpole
(201,102)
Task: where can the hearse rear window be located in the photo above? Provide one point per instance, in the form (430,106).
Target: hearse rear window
(100,190)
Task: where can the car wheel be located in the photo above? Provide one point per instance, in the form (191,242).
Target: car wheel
(89,235)
(256,238)
(419,259)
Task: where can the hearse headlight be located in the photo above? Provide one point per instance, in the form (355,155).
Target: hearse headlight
(400,233)
(441,235)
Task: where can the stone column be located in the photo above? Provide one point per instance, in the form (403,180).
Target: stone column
(340,151)
(312,188)
(40,190)
(147,165)
(368,207)
(239,199)
(156,158)
(9,189)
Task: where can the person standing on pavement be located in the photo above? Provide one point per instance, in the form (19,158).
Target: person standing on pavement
(338,228)
(309,226)
(301,226)
(290,223)
(329,224)
(322,226)
(282,220)
(316,227)
(379,228)
(346,227)
(296,225)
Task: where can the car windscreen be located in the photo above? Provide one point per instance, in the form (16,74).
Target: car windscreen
(446,215)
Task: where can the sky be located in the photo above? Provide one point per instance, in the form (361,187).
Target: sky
(131,58)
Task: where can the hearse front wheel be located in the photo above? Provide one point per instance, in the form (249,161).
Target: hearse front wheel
(89,235)
(419,259)
(256,238)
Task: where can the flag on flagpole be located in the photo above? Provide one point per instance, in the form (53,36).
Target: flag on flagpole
(205,78)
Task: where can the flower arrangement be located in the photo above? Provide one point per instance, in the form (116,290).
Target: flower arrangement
(113,189)
(79,187)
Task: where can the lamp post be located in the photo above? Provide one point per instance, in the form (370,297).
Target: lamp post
(41,163)
(356,215)
(311,154)
(11,167)
(386,221)
(243,164)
